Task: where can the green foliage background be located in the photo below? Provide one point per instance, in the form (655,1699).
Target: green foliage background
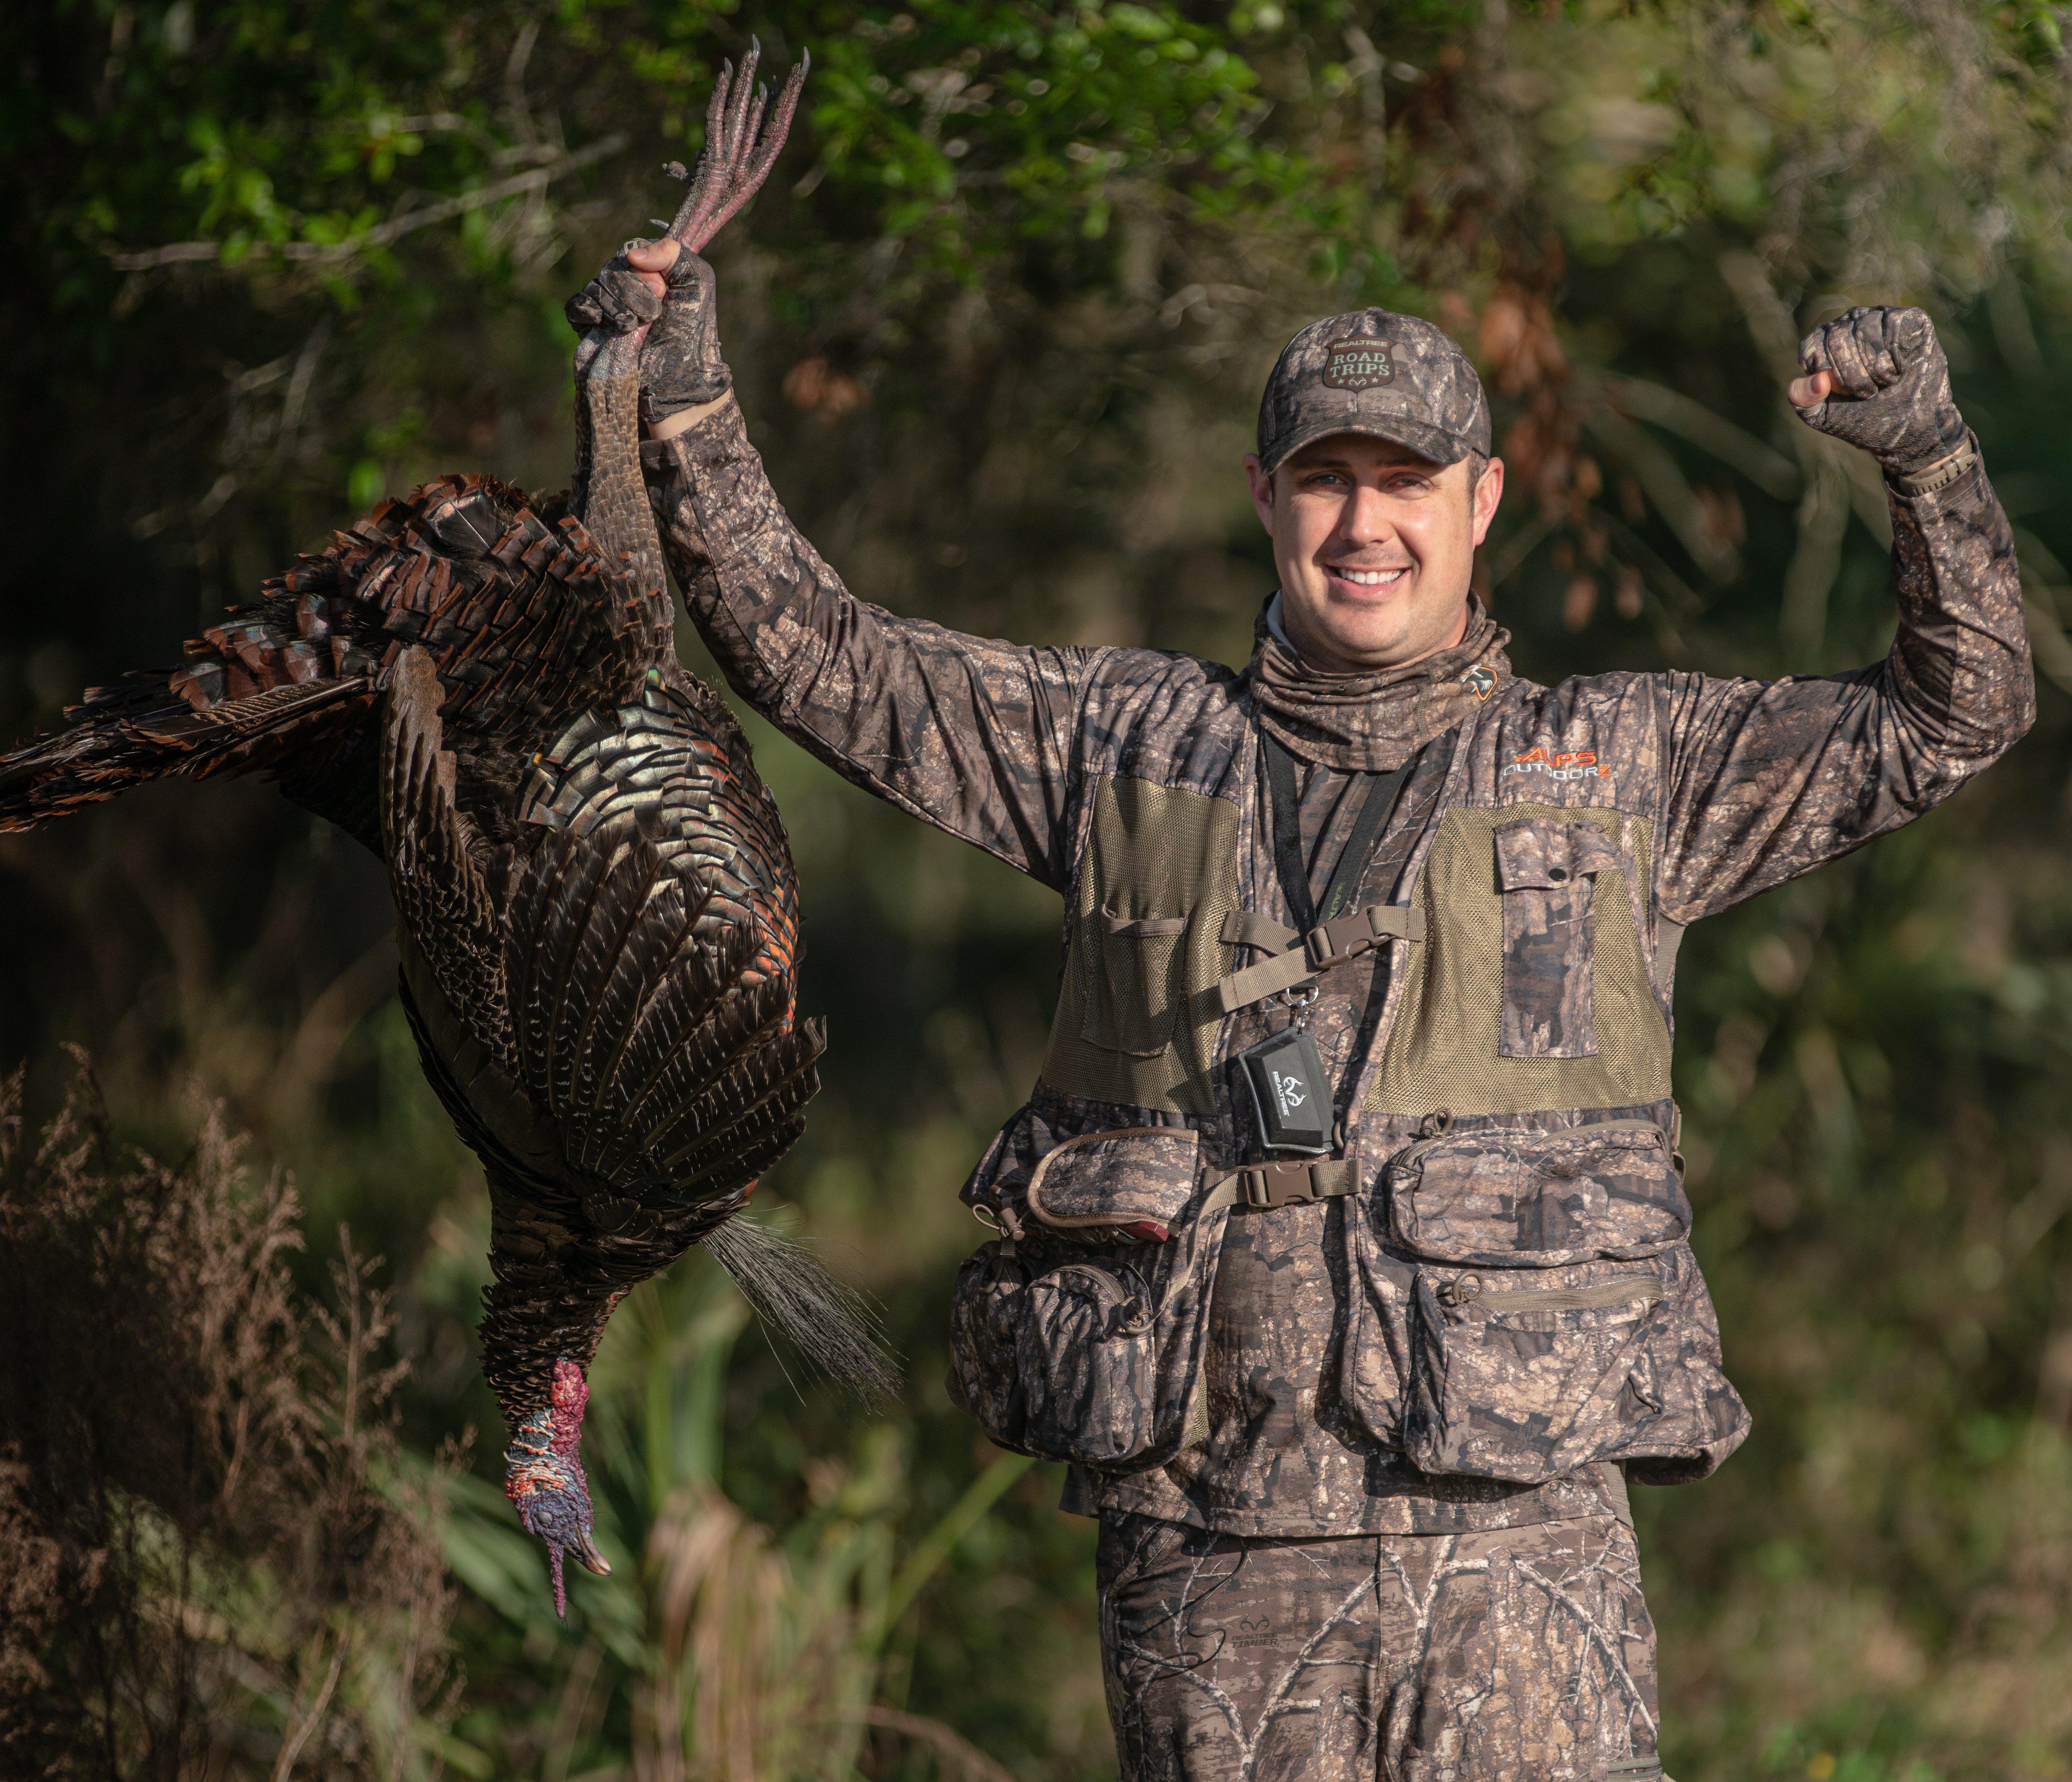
(999,321)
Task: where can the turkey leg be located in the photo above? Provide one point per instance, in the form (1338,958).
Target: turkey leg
(743,136)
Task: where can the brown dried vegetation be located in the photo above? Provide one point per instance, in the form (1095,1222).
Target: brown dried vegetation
(213,1560)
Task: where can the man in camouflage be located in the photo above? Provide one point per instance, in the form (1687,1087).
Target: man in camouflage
(1357,1423)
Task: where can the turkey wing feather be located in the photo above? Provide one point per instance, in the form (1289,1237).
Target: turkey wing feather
(528,622)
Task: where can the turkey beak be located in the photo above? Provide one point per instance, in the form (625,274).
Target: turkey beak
(584,1552)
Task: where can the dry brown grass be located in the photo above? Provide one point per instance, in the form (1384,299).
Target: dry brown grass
(213,1560)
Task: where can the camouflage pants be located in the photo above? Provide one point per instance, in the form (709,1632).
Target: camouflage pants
(1518,1655)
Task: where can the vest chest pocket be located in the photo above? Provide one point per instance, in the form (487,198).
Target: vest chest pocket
(1158,875)
(1545,876)
(1132,993)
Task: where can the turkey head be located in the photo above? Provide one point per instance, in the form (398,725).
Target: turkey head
(545,1480)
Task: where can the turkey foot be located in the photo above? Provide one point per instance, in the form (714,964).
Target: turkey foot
(739,151)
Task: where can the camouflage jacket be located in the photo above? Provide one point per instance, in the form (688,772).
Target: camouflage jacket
(1482,1305)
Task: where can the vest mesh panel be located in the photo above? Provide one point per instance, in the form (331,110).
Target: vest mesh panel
(1442,1052)
(1131,1026)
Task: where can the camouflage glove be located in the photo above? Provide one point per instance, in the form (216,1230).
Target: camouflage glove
(680,363)
(615,299)
(1892,388)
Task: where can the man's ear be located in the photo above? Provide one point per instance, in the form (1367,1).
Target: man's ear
(1262,491)
(1488,491)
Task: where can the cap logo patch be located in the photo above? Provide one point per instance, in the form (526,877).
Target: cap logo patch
(1362,364)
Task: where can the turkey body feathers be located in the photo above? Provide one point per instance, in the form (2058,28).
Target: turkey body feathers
(593,888)
(607,1051)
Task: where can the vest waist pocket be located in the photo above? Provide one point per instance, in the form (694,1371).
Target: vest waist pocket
(1079,1336)
(1538,1199)
(1529,1305)
(1527,1374)
(1055,1357)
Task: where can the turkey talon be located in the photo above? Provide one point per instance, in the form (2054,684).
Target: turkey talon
(743,134)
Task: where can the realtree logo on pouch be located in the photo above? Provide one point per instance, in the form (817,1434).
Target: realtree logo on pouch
(1361,364)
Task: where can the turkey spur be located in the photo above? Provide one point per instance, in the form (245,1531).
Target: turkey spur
(595,903)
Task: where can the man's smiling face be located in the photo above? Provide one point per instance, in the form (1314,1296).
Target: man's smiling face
(1375,547)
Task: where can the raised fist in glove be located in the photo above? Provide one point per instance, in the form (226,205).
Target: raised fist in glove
(658,286)
(617,300)
(1878,379)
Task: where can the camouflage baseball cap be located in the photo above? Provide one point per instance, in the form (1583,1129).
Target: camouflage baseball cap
(1374,371)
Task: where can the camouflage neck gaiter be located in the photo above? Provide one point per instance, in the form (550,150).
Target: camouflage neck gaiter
(1374,722)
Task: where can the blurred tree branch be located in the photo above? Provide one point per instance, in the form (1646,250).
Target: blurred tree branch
(421,216)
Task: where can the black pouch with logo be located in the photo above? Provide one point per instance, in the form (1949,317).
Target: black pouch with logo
(1290,1094)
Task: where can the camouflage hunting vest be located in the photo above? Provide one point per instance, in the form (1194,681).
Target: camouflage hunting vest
(1521,1297)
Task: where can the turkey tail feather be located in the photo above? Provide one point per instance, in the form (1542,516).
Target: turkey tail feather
(141,729)
(53,776)
(831,1325)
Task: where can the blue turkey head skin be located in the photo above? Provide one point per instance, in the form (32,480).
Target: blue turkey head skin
(544,1477)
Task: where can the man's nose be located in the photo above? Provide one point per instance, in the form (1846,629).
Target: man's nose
(1367,519)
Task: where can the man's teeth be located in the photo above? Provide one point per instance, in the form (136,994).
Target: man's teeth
(1369,578)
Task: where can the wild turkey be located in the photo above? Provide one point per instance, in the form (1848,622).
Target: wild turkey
(596,908)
